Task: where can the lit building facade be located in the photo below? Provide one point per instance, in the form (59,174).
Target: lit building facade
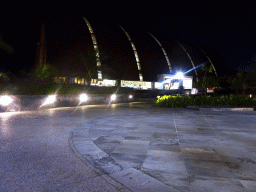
(120,55)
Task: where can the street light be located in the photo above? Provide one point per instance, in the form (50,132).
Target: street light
(113,97)
(49,100)
(179,75)
(83,98)
(5,100)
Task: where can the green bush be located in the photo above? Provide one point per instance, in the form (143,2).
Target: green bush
(202,100)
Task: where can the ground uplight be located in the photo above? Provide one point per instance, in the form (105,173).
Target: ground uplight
(83,98)
(49,100)
(113,97)
(5,100)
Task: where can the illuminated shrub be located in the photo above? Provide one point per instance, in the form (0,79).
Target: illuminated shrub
(202,100)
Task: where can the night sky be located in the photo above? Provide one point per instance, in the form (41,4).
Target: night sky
(228,27)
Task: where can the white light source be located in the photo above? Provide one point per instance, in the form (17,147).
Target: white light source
(83,98)
(49,100)
(194,91)
(113,97)
(179,75)
(130,96)
(5,100)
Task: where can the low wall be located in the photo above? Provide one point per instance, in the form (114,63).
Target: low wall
(34,102)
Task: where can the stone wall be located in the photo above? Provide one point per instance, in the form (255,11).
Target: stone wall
(35,102)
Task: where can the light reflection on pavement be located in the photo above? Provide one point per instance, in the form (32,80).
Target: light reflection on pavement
(173,149)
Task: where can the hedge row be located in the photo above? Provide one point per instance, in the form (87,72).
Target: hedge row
(34,88)
(202,100)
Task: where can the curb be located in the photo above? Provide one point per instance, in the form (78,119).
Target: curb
(129,179)
(198,108)
(110,180)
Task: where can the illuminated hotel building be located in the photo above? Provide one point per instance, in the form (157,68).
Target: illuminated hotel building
(126,56)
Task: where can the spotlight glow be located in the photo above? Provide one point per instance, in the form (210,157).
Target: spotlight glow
(113,97)
(49,100)
(130,96)
(179,75)
(83,98)
(5,100)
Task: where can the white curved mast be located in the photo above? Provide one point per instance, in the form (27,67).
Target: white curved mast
(135,53)
(165,54)
(189,58)
(96,49)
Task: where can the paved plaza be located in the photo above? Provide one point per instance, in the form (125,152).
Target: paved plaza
(128,147)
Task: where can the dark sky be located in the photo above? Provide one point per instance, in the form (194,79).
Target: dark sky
(228,27)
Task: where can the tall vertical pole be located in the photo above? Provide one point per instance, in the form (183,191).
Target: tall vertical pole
(41,49)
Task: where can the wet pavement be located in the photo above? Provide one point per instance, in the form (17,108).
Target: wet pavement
(128,147)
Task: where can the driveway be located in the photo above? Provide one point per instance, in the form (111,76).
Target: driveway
(123,147)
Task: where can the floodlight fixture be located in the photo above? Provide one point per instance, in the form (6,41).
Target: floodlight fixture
(49,100)
(83,97)
(113,97)
(179,75)
(5,100)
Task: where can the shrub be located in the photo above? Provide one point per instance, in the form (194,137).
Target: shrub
(203,100)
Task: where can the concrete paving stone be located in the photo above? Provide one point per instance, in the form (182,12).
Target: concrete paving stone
(249,185)
(198,168)
(131,149)
(129,160)
(196,132)
(242,136)
(177,181)
(164,138)
(195,144)
(192,138)
(138,133)
(92,150)
(106,164)
(108,140)
(81,133)
(200,154)
(132,137)
(231,152)
(131,128)
(171,162)
(244,168)
(165,147)
(95,133)
(135,142)
(213,184)
(108,149)
(138,181)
